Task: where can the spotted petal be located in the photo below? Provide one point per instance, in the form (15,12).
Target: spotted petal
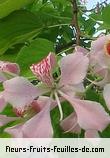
(43,69)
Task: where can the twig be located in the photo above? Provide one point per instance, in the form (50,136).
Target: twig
(75,21)
(97,7)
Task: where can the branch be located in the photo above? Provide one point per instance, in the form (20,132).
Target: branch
(75,21)
(97,7)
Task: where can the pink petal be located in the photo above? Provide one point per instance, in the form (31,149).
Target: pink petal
(10,67)
(91,115)
(91,134)
(39,126)
(43,70)
(19,91)
(15,131)
(73,68)
(69,124)
(4,119)
(41,102)
(98,44)
(82,50)
(98,59)
(73,89)
(106,94)
(2,103)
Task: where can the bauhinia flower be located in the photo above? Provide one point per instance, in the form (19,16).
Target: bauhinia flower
(73,69)
(20,93)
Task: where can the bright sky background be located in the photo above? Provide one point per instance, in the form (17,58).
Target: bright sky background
(92,3)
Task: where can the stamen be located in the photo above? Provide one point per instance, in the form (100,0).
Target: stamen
(59,105)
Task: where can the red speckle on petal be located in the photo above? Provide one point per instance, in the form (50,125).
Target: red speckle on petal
(19,112)
(43,69)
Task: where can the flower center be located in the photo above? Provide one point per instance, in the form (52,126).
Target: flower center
(107,48)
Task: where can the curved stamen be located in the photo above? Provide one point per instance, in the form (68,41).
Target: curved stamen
(59,105)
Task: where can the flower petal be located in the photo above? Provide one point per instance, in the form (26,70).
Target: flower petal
(19,91)
(73,89)
(4,119)
(91,134)
(91,115)
(73,68)
(15,131)
(39,126)
(98,44)
(82,50)
(106,94)
(41,102)
(43,69)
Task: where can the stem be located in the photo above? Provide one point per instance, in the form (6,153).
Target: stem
(75,21)
(57,25)
(64,51)
(97,7)
(59,106)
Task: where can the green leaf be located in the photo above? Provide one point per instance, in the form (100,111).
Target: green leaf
(8,111)
(11,54)
(33,53)
(8,6)
(17,28)
(105,13)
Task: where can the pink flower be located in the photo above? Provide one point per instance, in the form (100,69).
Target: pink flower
(73,70)
(8,68)
(20,92)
